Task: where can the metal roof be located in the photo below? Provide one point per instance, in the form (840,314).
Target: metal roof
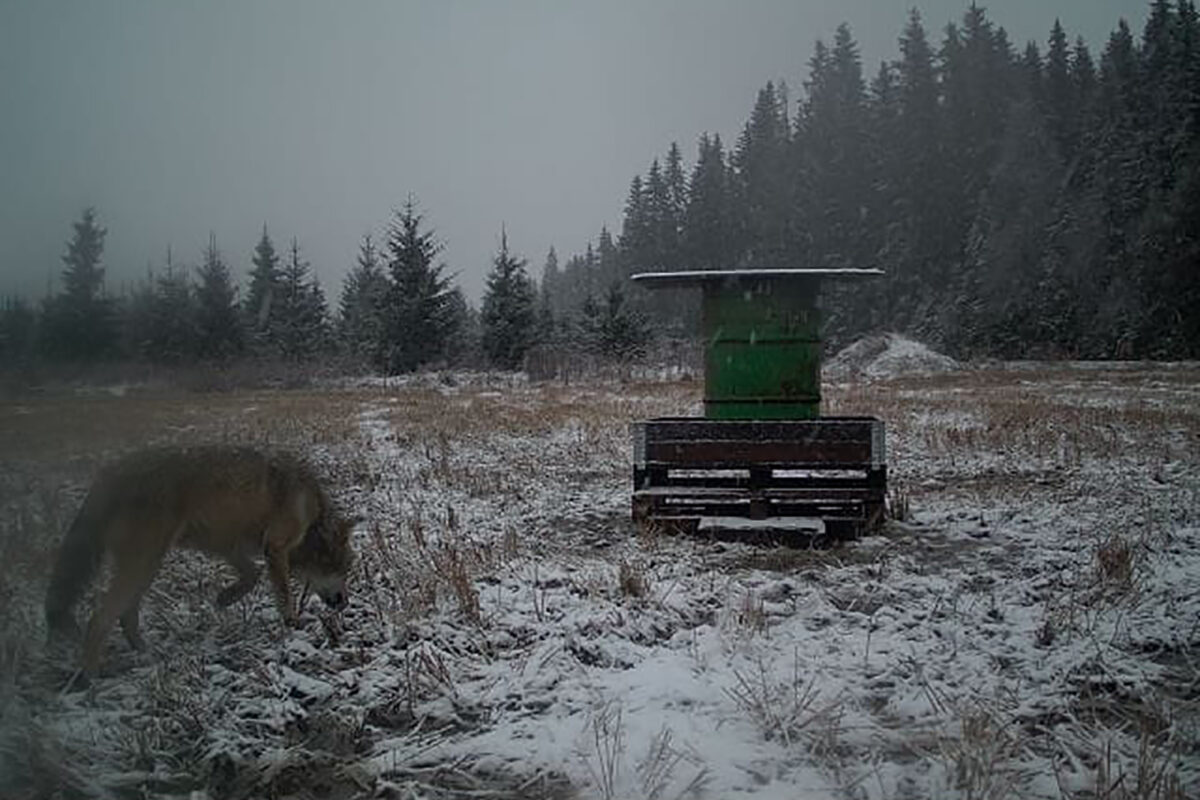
(699,277)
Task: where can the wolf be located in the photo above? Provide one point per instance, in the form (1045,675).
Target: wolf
(235,503)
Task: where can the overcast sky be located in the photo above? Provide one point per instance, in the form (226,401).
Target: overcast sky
(319,118)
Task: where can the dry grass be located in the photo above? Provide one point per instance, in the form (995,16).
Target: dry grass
(1153,775)
(750,614)
(785,708)
(427,551)
(1116,560)
(898,504)
(1062,418)
(632,580)
(980,759)
(651,776)
(607,755)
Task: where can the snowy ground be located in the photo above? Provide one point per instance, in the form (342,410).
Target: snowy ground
(1030,629)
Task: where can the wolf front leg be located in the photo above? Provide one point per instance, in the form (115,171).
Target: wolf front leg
(247,577)
(277,568)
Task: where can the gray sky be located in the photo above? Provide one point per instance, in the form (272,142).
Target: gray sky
(318,118)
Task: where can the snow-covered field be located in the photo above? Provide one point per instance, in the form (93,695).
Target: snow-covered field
(1031,628)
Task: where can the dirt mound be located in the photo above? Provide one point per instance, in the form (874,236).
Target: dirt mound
(886,355)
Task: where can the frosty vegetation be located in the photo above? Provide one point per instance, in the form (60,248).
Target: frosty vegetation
(1024,627)
(1024,624)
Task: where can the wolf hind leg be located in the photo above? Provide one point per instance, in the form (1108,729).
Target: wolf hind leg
(247,577)
(133,572)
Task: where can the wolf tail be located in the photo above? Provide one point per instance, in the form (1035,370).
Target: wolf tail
(77,563)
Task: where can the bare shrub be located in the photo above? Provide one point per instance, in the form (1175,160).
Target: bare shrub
(898,503)
(657,770)
(451,567)
(607,748)
(787,709)
(1154,773)
(751,613)
(632,580)
(980,757)
(1115,562)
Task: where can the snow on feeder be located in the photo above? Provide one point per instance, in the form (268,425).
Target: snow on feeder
(762,451)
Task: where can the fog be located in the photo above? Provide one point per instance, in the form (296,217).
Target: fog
(319,118)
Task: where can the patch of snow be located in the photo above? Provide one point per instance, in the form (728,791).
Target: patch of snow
(886,355)
(971,642)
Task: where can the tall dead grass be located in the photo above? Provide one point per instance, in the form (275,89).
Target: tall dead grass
(450,454)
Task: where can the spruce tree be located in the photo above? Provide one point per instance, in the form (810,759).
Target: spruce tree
(662,233)
(218,323)
(619,330)
(137,314)
(362,306)
(608,258)
(835,171)
(1118,73)
(174,334)
(81,321)
(977,87)
(1034,75)
(463,346)
(919,154)
(708,234)
(763,180)
(636,228)
(508,312)
(1061,96)
(302,312)
(548,298)
(1083,81)
(18,329)
(418,322)
(677,194)
(262,302)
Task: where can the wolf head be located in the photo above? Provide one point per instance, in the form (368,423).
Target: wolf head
(324,558)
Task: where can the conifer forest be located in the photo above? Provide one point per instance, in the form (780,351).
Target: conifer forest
(1035,201)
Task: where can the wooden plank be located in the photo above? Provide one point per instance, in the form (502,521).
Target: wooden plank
(825,429)
(655,508)
(785,454)
(834,495)
(749,483)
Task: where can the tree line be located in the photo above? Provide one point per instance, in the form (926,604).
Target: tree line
(1040,203)
(1033,203)
(398,309)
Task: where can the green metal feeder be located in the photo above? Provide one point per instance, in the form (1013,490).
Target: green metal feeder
(762,449)
(762,330)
